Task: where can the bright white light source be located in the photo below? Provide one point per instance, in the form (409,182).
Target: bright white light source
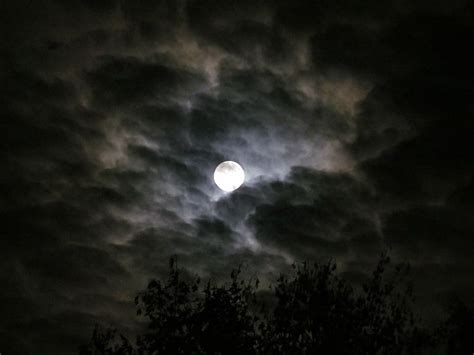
(229,176)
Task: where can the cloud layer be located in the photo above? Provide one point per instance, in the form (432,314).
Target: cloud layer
(353,124)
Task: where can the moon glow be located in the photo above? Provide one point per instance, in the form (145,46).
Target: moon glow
(229,175)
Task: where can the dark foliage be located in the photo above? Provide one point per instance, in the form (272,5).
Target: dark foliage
(187,319)
(314,312)
(318,312)
(459,330)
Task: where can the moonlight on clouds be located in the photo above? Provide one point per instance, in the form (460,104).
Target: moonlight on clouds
(351,122)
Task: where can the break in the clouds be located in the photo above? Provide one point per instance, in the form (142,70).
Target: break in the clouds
(353,122)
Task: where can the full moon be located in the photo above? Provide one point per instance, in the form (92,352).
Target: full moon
(229,175)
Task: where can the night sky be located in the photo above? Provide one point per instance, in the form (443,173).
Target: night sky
(353,121)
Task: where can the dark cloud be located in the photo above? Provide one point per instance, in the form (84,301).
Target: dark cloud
(129,81)
(425,231)
(324,219)
(352,122)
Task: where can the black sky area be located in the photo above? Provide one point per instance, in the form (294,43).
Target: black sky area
(352,120)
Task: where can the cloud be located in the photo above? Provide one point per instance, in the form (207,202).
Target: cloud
(320,220)
(352,123)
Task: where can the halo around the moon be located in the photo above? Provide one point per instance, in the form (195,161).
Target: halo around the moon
(229,175)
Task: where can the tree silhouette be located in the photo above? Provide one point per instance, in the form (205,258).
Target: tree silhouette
(458,330)
(315,311)
(318,312)
(185,319)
